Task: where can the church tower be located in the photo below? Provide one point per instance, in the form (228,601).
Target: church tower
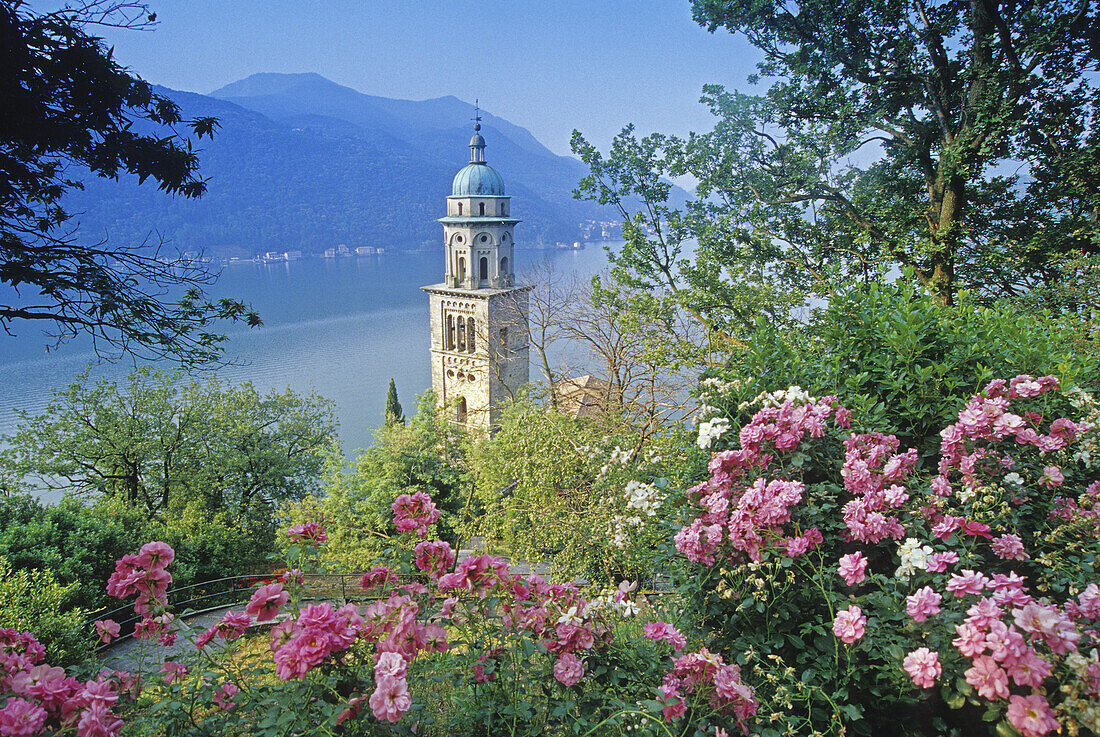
(478,316)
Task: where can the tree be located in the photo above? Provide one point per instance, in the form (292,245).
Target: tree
(956,139)
(637,351)
(69,108)
(161,444)
(393,414)
(633,343)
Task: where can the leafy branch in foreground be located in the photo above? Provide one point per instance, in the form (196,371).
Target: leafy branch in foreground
(69,107)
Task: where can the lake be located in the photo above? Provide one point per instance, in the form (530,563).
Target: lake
(338,327)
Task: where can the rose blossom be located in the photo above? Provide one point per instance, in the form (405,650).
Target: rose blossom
(674,702)
(568,669)
(938,562)
(434,558)
(155,554)
(666,632)
(1052,477)
(98,721)
(414,513)
(967,582)
(1009,547)
(390,664)
(849,624)
(1031,715)
(988,678)
(852,568)
(923,666)
(293,576)
(377,576)
(923,603)
(21,718)
(232,625)
(311,533)
(223,696)
(173,670)
(106,630)
(266,602)
(390,699)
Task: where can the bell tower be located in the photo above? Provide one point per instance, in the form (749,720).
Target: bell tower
(479,349)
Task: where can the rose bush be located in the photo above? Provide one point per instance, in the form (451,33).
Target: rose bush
(437,648)
(867,592)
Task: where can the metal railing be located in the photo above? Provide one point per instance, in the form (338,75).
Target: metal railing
(233,591)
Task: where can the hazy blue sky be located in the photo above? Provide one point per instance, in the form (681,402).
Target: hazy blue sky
(549,66)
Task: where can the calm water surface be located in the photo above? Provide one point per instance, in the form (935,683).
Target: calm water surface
(338,327)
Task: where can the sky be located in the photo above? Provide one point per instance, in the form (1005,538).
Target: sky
(550,66)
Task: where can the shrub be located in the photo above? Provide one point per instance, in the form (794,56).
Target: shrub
(586,499)
(33,601)
(77,543)
(900,361)
(869,593)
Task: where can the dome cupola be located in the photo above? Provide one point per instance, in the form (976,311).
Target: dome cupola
(477,179)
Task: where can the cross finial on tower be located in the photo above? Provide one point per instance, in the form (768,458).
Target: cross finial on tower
(477,115)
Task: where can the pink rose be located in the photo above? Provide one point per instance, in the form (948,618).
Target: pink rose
(21,718)
(664,631)
(988,678)
(173,670)
(233,625)
(312,533)
(98,721)
(850,624)
(923,666)
(568,669)
(923,603)
(1031,715)
(155,555)
(852,568)
(106,630)
(224,694)
(266,602)
(390,699)
(1009,547)
(390,664)
(1052,477)
(293,576)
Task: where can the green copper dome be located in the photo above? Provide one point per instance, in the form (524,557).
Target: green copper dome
(477,179)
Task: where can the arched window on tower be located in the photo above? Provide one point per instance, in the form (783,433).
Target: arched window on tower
(502,209)
(461,269)
(503,341)
(460,411)
(504,267)
(483,269)
(481,208)
(450,333)
(459,208)
(470,341)
(461,334)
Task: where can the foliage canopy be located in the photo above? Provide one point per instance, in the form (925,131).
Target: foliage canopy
(160,444)
(956,139)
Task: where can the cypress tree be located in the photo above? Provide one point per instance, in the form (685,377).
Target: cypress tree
(394,413)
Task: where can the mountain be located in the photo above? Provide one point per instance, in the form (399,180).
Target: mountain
(300,162)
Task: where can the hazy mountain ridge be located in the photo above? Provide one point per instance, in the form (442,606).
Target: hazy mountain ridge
(302,163)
